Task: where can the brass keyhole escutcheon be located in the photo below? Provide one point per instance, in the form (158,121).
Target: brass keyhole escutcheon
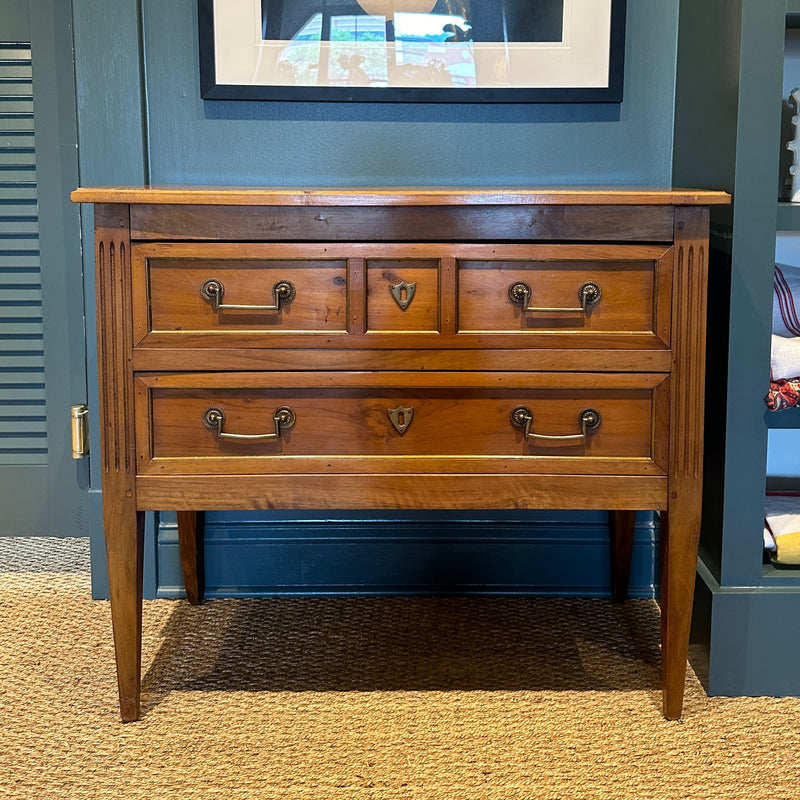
(401,418)
(403,293)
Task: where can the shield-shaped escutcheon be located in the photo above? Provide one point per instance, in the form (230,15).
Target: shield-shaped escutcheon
(401,418)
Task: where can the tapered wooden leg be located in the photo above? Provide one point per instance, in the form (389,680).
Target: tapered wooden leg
(190,539)
(679,567)
(680,523)
(123,524)
(621,528)
(125,559)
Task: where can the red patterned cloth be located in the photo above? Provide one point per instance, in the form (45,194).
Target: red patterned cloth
(784,387)
(783,394)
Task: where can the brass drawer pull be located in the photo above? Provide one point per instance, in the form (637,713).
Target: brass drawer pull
(520,294)
(212,291)
(589,420)
(214,418)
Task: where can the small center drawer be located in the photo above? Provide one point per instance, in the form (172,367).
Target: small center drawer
(402,295)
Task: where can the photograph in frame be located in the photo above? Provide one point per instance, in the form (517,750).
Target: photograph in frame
(412,50)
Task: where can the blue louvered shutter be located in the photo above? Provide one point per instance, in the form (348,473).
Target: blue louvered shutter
(23,425)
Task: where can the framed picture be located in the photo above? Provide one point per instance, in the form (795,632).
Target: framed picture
(433,51)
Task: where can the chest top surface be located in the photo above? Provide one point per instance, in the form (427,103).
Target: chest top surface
(371,196)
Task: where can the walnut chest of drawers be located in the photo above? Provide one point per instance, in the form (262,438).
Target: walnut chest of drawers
(455,349)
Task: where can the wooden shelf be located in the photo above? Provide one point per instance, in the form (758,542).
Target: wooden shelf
(781,577)
(788,418)
(788,217)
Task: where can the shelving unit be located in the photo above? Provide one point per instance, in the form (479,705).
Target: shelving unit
(788,216)
(789,418)
(785,425)
(728,118)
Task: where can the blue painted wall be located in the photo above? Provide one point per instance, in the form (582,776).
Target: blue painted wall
(142,120)
(224,142)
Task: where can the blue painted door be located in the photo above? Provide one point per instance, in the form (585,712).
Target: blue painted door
(42,342)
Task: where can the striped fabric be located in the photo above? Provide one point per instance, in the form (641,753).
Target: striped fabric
(786,305)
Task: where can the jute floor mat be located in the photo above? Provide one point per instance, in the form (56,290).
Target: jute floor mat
(369,698)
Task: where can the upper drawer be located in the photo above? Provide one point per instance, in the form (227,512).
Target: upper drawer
(213,289)
(401,296)
(551,292)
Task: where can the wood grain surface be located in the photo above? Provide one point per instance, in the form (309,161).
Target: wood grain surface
(447,196)
(401,407)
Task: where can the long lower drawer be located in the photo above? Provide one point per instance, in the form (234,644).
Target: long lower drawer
(401,422)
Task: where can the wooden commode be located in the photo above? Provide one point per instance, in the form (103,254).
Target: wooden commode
(400,349)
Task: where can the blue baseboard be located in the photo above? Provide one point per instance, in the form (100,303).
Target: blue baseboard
(298,553)
(746,639)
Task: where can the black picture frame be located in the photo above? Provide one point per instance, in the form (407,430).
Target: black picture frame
(606,89)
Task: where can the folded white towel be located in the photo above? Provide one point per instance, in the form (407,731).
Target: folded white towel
(785,359)
(786,301)
(782,520)
(769,541)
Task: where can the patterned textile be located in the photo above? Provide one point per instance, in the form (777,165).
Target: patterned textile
(783,394)
(784,388)
(782,521)
(786,305)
